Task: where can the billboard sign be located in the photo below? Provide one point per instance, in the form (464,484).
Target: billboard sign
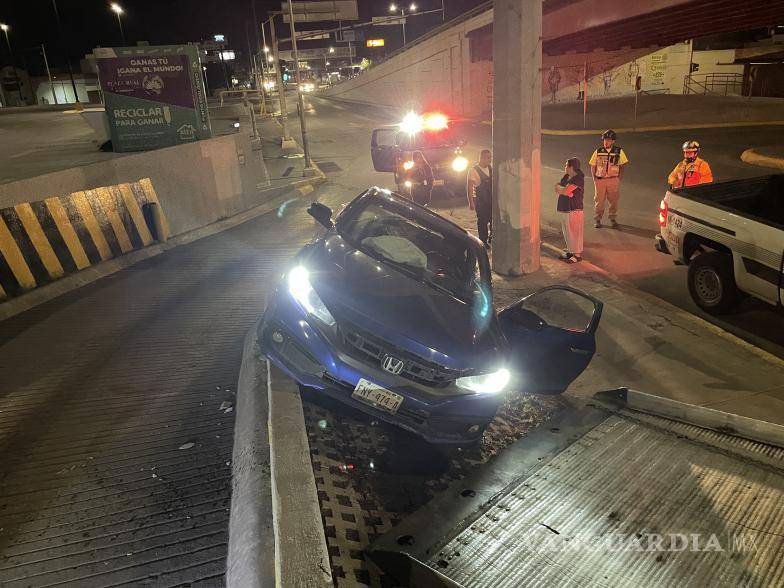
(321,10)
(154,96)
(374,43)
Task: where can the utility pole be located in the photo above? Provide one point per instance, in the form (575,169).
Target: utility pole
(287,141)
(64,48)
(49,73)
(517,128)
(309,169)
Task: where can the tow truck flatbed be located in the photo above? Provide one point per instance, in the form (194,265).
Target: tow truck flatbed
(608,495)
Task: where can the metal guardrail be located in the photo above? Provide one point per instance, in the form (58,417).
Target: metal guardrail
(722,84)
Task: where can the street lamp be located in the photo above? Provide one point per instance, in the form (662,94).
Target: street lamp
(118,10)
(5,28)
(331,49)
(411,8)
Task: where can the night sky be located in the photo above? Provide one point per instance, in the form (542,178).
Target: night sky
(89,23)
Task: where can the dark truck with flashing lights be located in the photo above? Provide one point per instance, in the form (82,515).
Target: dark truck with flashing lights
(435,136)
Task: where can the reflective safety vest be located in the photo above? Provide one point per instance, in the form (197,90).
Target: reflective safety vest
(608,162)
(690,173)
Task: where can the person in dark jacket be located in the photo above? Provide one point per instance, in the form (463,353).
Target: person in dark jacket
(480,195)
(570,208)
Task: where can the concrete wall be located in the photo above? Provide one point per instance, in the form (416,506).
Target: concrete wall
(197,183)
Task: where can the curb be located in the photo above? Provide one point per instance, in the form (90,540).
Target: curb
(684,127)
(251,548)
(701,416)
(13,306)
(301,554)
(751,157)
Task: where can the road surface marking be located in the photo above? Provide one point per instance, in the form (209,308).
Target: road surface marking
(13,257)
(67,232)
(91,224)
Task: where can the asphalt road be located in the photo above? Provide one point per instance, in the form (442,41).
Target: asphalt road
(340,137)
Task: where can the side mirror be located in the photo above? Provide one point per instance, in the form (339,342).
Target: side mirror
(322,213)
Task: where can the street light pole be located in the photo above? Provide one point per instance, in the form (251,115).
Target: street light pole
(117,9)
(284,114)
(67,55)
(300,100)
(411,8)
(49,73)
(5,29)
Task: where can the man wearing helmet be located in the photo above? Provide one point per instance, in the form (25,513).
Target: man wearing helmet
(692,170)
(607,164)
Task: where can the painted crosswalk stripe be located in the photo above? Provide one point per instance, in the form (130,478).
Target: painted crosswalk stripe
(39,240)
(91,224)
(68,234)
(25,245)
(15,262)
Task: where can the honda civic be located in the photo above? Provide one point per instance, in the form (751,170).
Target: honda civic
(391,311)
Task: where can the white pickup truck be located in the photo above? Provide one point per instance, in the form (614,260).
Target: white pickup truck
(731,235)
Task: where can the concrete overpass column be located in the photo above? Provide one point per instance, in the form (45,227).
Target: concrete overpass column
(517,126)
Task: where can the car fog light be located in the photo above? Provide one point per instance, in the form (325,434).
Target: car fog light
(473,429)
(277,337)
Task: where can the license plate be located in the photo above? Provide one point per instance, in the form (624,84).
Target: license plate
(438,182)
(375,395)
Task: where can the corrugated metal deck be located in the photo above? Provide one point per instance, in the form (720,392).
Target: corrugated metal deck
(634,500)
(116,415)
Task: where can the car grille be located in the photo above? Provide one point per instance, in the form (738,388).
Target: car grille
(364,345)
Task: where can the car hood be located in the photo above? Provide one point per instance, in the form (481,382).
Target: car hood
(401,310)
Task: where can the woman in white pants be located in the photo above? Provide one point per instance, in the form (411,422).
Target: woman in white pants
(570,208)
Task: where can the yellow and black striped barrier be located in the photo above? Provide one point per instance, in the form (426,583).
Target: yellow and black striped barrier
(45,240)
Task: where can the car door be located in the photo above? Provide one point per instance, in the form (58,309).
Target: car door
(551,336)
(382,149)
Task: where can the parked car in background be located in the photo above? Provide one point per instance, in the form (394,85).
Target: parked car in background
(391,311)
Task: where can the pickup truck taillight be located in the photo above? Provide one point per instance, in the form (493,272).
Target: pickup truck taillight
(663,212)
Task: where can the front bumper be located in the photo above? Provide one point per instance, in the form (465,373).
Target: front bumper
(316,358)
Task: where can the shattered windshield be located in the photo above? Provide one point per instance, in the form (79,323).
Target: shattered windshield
(395,235)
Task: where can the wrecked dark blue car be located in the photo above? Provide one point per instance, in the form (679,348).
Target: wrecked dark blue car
(391,311)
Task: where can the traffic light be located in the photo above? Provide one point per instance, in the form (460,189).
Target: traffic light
(284,70)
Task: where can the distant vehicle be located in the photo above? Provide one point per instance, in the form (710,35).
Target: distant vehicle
(431,133)
(731,235)
(307,87)
(391,312)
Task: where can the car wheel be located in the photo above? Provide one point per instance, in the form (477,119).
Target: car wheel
(712,283)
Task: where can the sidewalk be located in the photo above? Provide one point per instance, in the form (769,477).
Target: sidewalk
(649,345)
(659,112)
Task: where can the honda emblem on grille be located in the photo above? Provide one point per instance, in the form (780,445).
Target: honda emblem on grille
(392,364)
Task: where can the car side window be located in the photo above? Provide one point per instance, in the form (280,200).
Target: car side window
(561,309)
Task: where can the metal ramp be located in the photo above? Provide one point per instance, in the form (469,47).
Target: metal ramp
(603,496)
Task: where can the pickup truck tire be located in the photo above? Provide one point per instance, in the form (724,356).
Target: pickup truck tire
(712,283)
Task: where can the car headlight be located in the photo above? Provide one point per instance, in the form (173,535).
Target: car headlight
(301,290)
(459,163)
(486,383)
(407,165)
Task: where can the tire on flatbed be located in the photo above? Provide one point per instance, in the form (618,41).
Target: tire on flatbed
(711,282)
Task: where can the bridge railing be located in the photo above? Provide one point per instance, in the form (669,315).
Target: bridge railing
(723,84)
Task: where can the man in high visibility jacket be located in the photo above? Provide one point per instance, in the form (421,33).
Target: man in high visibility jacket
(692,170)
(607,164)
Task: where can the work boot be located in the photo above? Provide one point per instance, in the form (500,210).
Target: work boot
(614,223)
(598,224)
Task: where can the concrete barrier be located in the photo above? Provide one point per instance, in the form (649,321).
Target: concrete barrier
(44,240)
(197,183)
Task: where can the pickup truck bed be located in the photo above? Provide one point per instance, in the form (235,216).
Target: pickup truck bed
(604,498)
(760,199)
(731,235)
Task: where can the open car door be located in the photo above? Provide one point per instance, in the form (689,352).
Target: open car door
(382,149)
(552,337)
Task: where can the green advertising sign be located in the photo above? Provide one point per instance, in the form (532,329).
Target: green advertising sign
(154,96)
